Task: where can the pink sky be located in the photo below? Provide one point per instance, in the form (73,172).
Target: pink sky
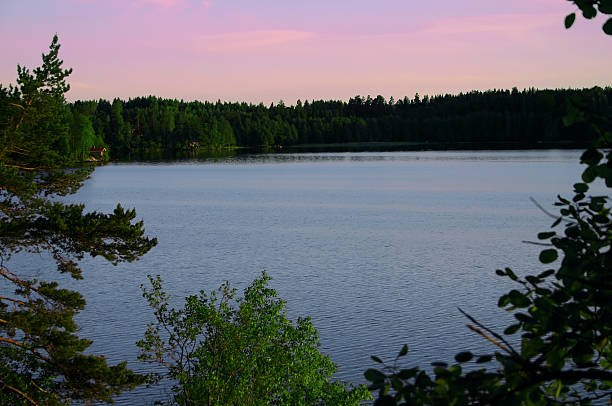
(271,50)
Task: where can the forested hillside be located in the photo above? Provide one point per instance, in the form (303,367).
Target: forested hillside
(497,118)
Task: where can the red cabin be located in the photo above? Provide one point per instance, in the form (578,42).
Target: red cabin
(97,152)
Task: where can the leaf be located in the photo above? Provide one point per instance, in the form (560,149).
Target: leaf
(546,273)
(376,359)
(603,171)
(588,234)
(511,330)
(607,27)
(504,301)
(484,358)
(522,317)
(408,373)
(562,200)
(558,392)
(546,235)
(542,291)
(518,299)
(403,351)
(555,359)
(374,375)
(548,256)
(464,356)
(530,348)
(589,11)
(601,219)
(605,6)
(591,157)
(569,20)
(581,187)
(396,383)
(572,231)
(590,172)
(439,364)
(422,380)
(455,370)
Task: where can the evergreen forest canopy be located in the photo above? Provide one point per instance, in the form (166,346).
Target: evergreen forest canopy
(491,119)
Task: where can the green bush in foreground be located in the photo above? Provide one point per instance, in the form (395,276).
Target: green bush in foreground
(227,351)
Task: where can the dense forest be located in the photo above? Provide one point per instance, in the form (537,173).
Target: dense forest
(497,118)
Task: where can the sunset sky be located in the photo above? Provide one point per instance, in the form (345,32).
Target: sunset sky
(271,50)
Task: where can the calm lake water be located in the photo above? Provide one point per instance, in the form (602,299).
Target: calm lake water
(378,248)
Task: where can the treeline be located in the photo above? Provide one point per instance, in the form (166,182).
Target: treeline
(523,119)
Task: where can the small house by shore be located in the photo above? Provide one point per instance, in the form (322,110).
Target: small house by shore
(97,152)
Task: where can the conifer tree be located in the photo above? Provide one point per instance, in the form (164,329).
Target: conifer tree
(42,358)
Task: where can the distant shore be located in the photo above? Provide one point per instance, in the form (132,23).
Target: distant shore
(205,153)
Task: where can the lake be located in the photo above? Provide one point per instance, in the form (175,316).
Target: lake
(380,249)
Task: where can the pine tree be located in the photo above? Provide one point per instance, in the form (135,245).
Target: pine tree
(41,356)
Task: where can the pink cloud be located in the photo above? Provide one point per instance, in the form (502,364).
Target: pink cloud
(162,3)
(82,85)
(249,40)
(159,3)
(511,24)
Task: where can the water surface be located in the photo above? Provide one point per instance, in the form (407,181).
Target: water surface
(378,248)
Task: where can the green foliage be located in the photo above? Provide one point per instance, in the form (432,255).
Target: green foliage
(227,351)
(569,20)
(589,9)
(496,118)
(42,358)
(82,135)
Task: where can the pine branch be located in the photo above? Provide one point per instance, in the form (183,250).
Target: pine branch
(20,393)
